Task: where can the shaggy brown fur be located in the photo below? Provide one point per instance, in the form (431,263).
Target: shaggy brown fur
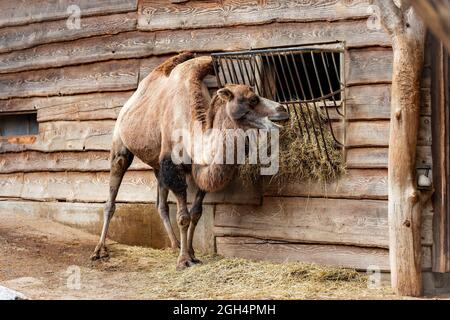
(173,97)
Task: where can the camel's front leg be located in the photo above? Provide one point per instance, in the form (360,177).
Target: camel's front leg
(183,221)
(195,214)
(173,177)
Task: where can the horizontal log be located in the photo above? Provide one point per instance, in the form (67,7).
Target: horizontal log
(22,37)
(137,186)
(312,220)
(94,106)
(372,102)
(355,184)
(159,14)
(68,136)
(336,255)
(307,220)
(368,102)
(362,158)
(144,44)
(376,133)
(88,161)
(133,224)
(22,12)
(372,65)
(106,76)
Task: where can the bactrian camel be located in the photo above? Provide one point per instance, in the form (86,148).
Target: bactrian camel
(172,97)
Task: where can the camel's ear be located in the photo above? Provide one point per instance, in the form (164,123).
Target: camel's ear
(225,94)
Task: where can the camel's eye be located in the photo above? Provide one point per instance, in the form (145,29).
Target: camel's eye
(253,101)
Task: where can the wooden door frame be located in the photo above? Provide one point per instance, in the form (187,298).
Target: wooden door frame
(441,156)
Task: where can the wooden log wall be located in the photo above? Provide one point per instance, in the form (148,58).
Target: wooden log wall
(78,79)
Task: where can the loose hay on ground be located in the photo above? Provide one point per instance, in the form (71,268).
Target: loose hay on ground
(225,278)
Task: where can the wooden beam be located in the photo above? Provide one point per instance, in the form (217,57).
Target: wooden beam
(137,186)
(106,76)
(441,151)
(145,44)
(22,37)
(356,184)
(83,161)
(13,13)
(307,220)
(160,15)
(359,258)
(406,202)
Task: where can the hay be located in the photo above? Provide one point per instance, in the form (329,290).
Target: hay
(301,157)
(226,278)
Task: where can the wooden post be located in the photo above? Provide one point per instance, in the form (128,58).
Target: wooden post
(405,200)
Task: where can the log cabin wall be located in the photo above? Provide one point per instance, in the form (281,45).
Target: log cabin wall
(78,79)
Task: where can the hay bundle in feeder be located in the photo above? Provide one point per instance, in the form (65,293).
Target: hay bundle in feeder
(303,154)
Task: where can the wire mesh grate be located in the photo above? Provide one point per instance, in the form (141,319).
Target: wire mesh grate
(306,80)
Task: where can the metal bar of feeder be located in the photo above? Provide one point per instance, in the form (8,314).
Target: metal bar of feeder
(293,105)
(322,95)
(304,96)
(331,86)
(266,51)
(315,108)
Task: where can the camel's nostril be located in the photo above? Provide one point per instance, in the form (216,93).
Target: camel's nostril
(280,108)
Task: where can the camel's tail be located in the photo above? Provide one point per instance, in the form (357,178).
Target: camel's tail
(168,65)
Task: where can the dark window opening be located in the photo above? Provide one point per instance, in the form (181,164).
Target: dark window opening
(306,76)
(18,125)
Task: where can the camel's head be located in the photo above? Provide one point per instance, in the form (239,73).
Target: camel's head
(248,110)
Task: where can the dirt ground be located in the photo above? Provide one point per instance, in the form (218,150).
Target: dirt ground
(47,260)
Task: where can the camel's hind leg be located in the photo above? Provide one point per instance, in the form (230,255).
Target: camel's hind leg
(121,159)
(163,209)
(195,214)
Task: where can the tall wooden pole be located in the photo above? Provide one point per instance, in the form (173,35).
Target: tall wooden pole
(405,200)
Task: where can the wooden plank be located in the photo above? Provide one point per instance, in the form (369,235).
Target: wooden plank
(337,255)
(359,258)
(94,106)
(441,152)
(133,224)
(361,158)
(367,134)
(373,65)
(137,186)
(159,14)
(144,44)
(88,161)
(68,136)
(368,102)
(106,76)
(314,220)
(376,133)
(307,220)
(27,36)
(356,184)
(22,12)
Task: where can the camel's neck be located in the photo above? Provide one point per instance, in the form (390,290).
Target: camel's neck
(215,174)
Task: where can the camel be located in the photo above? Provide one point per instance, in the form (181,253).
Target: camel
(173,96)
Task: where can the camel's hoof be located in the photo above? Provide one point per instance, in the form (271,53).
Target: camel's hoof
(196,261)
(101,253)
(184,263)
